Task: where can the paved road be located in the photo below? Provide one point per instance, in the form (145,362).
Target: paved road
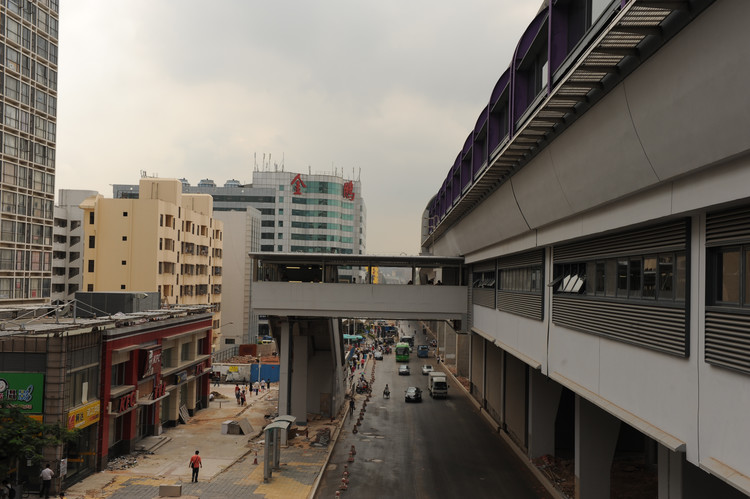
(433,449)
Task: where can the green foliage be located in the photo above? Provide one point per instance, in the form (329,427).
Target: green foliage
(24,438)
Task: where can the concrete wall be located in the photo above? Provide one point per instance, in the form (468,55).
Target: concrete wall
(363,300)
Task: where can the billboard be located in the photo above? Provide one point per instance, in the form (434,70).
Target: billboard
(23,390)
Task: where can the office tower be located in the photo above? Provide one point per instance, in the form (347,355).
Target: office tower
(28,44)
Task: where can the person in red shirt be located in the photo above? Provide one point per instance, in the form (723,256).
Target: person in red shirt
(195,464)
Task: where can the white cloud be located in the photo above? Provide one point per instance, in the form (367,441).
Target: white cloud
(194,89)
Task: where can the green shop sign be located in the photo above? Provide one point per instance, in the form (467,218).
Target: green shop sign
(22,390)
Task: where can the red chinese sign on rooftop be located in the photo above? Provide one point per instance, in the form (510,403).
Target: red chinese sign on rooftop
(349,190)
(298,184)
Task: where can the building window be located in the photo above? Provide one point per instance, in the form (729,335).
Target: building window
(281,223)
(281,211)
(185,351)
(730,276)
(122,286)
(124,238)
(90,287)
(124,213)
(91,265)
(280,235)
(91,241)
(279,248)
(522,279)
(659,277)
(229,341)
(91,218)
(124,262)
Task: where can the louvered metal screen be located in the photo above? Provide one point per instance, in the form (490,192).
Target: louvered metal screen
(650,325)
(728,331)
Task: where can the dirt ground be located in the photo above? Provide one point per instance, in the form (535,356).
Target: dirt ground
(630,479)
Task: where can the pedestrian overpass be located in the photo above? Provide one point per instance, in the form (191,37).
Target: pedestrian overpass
(306,297)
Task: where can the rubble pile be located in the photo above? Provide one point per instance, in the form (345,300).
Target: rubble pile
(242,359)
(122,463)
(322,437)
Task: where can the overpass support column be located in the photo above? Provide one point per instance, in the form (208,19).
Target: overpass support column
(596,433)
(285,357)
(544,398)
(670,474)
(298,392)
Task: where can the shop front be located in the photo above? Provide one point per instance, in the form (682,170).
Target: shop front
(80,454)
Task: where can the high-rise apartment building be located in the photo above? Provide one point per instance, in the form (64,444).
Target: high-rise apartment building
(28,131)
(67,245)
(164,241)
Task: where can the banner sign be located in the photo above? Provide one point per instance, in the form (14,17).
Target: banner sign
(23,390)
(84,416)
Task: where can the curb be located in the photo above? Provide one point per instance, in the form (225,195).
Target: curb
(549,487)
(334,441)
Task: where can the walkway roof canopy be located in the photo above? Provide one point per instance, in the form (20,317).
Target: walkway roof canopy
(357,260)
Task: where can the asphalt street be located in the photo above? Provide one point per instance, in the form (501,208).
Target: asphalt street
(433,449)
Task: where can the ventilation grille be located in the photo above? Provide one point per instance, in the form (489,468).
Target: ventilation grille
(484,297)
(728,227)
(659,328)
(665,237)
(728,341)
(521,260)
(523,304)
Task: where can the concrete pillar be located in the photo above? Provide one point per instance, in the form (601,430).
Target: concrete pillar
(463,354)
(670,473)
(285,357)
(298,395)
(544,398)
(596,433)
(191,398)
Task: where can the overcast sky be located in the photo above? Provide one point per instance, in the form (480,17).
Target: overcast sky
(197,89)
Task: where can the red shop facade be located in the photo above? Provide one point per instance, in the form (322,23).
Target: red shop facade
(154,374)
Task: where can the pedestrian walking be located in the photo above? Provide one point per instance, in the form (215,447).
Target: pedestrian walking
(351,406)
(46,476)
(256,387)
(195,465)
(237,393)
(262,385)
(217,379)
(243,399)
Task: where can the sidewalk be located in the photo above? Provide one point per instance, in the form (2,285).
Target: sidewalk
(228,460)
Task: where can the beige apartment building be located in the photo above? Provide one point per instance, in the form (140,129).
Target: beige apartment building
(163,241)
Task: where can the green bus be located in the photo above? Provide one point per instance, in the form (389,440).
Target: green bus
(403,350)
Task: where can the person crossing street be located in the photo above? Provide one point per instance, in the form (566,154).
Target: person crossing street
(195,465)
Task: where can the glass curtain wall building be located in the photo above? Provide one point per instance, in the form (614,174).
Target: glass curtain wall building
(28,132)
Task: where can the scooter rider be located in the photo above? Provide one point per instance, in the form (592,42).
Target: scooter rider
(386,391)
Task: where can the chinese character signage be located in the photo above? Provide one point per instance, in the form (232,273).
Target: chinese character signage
(349,190)
(151,362)
(126,402)
(84,416)
(23,390)
(298,185)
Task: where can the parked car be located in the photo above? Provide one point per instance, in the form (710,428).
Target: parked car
(403,370)
(377,355)
(426,369)
(413,394)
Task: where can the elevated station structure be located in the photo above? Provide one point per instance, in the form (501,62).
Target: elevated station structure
(602,204)
(305,303)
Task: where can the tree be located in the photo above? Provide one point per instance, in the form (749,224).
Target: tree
(24,438)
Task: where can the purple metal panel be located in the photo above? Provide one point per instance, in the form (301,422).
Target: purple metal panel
(481,120)
(558,46)
(466,154)
(496,130)
(519,97)
(479,148)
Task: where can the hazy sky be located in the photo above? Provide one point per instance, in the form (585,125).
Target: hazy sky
(196,89)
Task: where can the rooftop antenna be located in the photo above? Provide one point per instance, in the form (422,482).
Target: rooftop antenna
(264,161)
(282,161)
(269,162)
(255,161)
(309,170)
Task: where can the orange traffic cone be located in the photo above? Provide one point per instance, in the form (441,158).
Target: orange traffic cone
(255,461)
